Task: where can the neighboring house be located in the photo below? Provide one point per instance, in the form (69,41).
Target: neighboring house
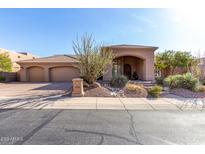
(17,56)
(131,60)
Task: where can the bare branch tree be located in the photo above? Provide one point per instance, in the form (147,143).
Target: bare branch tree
(93,58)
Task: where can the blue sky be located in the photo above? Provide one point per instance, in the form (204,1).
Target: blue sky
(45,32)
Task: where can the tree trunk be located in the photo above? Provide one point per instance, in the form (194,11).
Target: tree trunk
(172,71)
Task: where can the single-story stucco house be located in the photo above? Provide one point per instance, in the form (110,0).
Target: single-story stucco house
(130,60)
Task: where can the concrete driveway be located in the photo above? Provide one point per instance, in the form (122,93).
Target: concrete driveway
(21,89)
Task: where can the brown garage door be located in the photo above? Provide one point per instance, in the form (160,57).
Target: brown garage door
(66,73)
(36,74)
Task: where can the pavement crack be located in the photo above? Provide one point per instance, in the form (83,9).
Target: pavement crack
(132,123)
(173,104)
(35,130)
(96,104)
(100,134)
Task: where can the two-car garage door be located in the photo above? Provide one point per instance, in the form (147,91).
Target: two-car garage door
(59,74)
(56,74)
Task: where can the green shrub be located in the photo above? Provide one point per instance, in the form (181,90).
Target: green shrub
(159,80)
(155,91)
(187,81)
(119,81)
(2,78)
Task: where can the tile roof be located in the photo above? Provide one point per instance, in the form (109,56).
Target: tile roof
(52,59)
(72,58)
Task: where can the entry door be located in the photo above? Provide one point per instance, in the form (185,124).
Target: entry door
(127,71)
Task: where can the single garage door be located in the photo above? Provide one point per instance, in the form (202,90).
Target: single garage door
(65,73)
(36,74)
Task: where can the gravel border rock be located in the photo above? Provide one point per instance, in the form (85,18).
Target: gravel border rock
(187,93)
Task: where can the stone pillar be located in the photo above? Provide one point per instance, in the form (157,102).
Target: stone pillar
(77,87)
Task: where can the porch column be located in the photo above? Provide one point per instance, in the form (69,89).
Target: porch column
(149,69)
(108,75)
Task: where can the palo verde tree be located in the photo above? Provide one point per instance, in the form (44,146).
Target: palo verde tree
(93,58)
(163,61)
(5,63)
(169,60)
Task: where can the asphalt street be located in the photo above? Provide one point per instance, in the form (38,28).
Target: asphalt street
(101,127)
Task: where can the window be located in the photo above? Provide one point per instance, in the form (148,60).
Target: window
(158,73)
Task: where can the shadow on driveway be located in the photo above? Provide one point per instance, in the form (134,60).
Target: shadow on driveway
(22,89)
(38,101)
(56,86)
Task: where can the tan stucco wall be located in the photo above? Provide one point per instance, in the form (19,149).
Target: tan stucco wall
(15,57)
(146,68)
(47,70)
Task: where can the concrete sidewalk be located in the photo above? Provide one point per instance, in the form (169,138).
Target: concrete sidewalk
(105,103)
(102,103)
(130,104)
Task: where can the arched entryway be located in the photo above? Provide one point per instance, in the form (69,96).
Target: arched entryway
(130,66)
